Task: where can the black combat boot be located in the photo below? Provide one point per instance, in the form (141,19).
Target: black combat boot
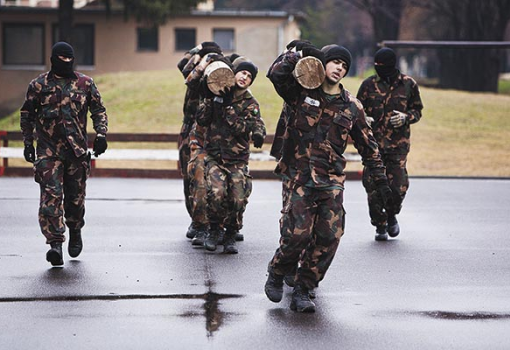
(192,232)
(274,286)
(212,238)
(75,243)
(289,278)
(54,255)
(221,236)
(301,300)
(393,228)
(199,238)
(312,293)
(229,243)
(380,233)
(239,236)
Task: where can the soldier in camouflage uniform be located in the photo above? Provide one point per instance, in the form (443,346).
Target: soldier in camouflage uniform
(392,100)
(56,105)
(194,201)
(319,124)
(232,120)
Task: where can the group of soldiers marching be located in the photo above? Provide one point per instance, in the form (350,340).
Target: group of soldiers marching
(221,120)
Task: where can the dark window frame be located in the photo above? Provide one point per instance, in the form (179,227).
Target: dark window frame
(223,47)
(184,46)
(147,48)
(54,37)
(6,25)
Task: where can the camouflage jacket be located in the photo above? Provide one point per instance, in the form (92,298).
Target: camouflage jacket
(379,99)
(191,100)
(228,130)
(318,129)
(281,133)
(57,109)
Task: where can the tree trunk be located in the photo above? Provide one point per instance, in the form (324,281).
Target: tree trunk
(386,19)
(65,20)
(469,20)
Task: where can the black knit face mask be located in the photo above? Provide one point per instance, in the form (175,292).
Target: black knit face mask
(59,67)
(62,68)
(385,71)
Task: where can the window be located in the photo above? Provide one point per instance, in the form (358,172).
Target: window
(23,44)
(147,39)
(185,39)
(83,43)
(224,38)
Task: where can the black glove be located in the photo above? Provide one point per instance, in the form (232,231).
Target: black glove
(29,153)
(227,95)
(298,44)
(208,47)
(315,52)
(384,191)
(258,140)
(182,63)
(100,145)
(204,88)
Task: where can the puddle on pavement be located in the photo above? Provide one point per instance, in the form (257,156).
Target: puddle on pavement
(213,315)
(450,315)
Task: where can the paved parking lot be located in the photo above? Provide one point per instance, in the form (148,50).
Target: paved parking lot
(443,284)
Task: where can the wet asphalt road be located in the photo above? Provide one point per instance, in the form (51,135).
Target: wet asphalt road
(443,284)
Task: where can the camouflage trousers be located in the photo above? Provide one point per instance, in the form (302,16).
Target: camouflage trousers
(228,189)
(184,157)
(312,223)
(399,183)
(198,188)
(62,183)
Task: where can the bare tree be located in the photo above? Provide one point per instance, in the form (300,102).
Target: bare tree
(65,20)
(467,20)
(385,16)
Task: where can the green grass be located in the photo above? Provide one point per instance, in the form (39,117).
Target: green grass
(460,134)
(504,87)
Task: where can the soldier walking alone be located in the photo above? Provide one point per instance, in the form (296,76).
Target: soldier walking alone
(392,100)
(56,105)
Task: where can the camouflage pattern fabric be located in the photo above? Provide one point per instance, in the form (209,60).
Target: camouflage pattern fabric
(380,99)
(312,167)
(227,143)
(311,225)
(198,186)
(191,101)
(63,182)
(229,130)
(318,132)
(399,184)
(228,188)
(281,133)
(57,110)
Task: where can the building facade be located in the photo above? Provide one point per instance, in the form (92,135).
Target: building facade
(105,44)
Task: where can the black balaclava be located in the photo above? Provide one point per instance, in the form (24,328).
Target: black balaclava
(387,67)
(59,67)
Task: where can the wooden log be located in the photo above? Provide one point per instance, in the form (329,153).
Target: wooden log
(219,76)
(309,72)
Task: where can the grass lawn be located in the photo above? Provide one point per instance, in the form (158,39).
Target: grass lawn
(460,134)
